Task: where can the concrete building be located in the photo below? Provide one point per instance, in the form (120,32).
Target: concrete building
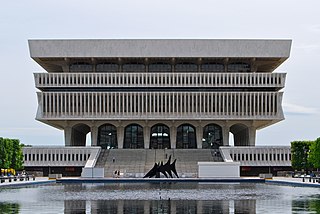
(174,94)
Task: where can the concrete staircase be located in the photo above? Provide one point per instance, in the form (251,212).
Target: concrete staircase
(137,162)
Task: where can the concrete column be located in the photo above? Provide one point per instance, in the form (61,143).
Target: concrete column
(199,207)
(120,136)
(120,207)
(252,136)
(199,135)
(146,137)
(67,136)
(225,135)
(173,136)
(173,207)
(146,207)
(94,136)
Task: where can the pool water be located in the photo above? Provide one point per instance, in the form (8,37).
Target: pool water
(160,198)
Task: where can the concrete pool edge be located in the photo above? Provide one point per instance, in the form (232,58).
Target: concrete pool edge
(160,180)
(292,183)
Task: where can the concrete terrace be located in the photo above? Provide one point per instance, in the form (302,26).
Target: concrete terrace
(137,162)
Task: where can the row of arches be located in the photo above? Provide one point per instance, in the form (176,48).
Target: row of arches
(160,136)
(160,67)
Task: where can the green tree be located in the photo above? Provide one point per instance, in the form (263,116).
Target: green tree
(314,155)
(17,155)
(11,155)
(299,154)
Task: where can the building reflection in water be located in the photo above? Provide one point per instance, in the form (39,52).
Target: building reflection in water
(160,206)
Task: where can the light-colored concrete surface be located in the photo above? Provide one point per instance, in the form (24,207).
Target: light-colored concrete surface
(38,180)
(160,48)
(293,182)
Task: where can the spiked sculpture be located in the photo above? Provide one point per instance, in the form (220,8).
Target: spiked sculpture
(164,169)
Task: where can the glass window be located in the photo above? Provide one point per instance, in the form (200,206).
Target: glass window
(186,137)
(160,67)
(107,137)
(212,67)
(107,67)
(212,137)
(133,137)
(133,67)
(186,67)
(81,67)
(239,67)
(160,137)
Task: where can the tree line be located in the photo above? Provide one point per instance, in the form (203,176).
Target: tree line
(305,155)
(11,155)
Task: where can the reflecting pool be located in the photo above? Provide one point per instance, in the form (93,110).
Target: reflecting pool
(160,198)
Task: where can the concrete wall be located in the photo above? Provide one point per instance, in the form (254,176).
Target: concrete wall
(218,169)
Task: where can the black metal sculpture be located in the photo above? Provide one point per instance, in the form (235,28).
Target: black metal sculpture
(164,169)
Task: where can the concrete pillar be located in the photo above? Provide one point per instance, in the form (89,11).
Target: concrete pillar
(173,207)
(120,207)
(146,207)
(120,136)
(199,207)
(94,136)
(252,136)
(67,136)
(225,135)
(146,136)
(199,136)
(173,136)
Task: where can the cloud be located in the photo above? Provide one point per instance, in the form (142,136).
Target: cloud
(290,108)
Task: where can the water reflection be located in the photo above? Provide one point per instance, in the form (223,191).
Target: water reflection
(160,198)
(161,206)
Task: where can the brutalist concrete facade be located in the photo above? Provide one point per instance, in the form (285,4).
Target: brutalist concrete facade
(160,93)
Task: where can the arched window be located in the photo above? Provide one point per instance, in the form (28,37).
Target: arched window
(107,67)
(186,67)
(81,67)
(240,134)
(79,134)
(133,137)
(134,67)
(159,67)
(107,137)
(239,67)
(212,137)
(186,137)
(212,67)
(160,137)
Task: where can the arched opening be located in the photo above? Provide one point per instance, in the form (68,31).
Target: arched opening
(240,134)
(160,137)
(159,67)
(186,67)
(186,137)
(107,137)
(133,137)
(81,67)
(212,137)
(107,67)
(134,67)
(79,134)
(212,67)
(239,67)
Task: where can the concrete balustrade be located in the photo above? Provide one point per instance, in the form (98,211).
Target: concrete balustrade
(189,80)
(258,155)
(60,156)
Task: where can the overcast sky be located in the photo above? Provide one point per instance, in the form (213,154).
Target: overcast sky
(245,19)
